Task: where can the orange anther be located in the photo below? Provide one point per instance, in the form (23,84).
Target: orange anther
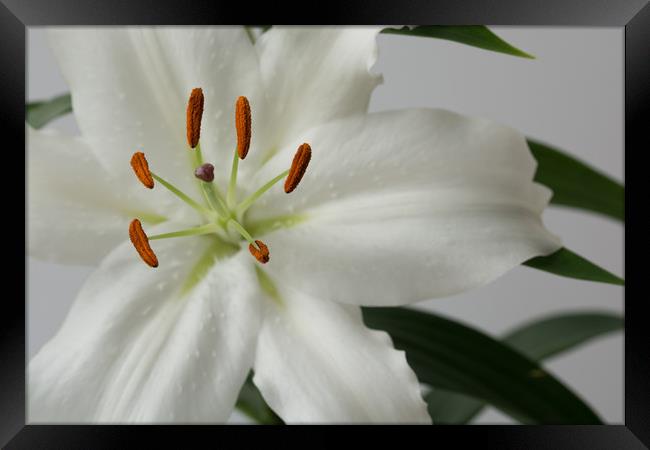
(141,243)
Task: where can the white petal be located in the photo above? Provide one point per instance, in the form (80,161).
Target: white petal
(407,206)
(317,362)
(77,211)
(130,88)
(223,61)
(134,349)
(315,74)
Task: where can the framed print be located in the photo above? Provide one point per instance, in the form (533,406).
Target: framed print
(326,224)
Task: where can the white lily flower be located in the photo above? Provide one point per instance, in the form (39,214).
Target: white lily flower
(395,207)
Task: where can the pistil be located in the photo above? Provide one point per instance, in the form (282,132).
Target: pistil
(223,216)
(210,192)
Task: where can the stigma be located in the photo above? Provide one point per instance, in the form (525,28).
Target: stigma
(223,215)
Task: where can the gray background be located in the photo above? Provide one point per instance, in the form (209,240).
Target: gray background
(570,96)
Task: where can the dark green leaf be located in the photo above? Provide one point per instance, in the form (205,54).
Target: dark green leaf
(544,338)
(576,184)
(538,340)
(38,114)
(251,403)
(475,35)
(568,264)
(451,356)
(451,408)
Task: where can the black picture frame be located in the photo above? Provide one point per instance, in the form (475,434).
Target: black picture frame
(633,15)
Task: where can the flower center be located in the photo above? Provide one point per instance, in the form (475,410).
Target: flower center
(222,214)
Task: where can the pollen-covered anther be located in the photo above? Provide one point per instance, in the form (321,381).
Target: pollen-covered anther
(194,115)
(141,243)
(261,252)
(298,167)
(243,126)
(141,169)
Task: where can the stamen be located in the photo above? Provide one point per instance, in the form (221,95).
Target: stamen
(261,254)
(243,206)
(243,126)
(205,172)
(298,167)
(194,115)
(141,243)
(196,231)
(180,194)
(141,169)
(232,186)
(241,230)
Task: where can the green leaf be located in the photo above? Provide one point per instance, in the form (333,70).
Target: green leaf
(251,403)
(576,184)
(451,408)
(544,338)
(475,35)
(568,264)
(538,340)
(448,355)
(38,114)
